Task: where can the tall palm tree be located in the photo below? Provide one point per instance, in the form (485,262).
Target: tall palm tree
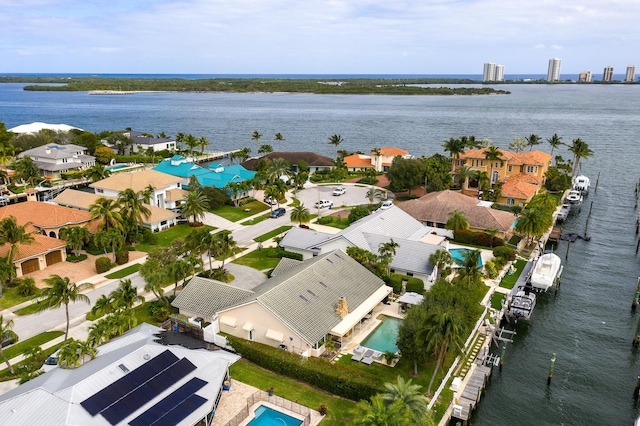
(61,291)
(195,204)
(277,168)
(335,140)
(201,241)
(6,332)
(13,234)
(408,394)
(464,174)
(126,295)
(255,136)
(300,214)
(471,266)
(387,251)
(533,222)
(265,149)
(454,147)
(132,209)
(191,142)
(533,140)
(580,149)
(108,211)
(6,155)
(376,413)
(155,278)
(76,237)
(457,221)
(178,270)
(97,172)
(273,192)
(202,143)
(555,141)
(279,137)
(373,194)
(69,354)
(226,245)
(443,335)
(146,195)
(493,154)
(440,259)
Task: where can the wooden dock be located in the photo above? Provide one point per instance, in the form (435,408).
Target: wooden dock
(473,389)
(554,236)
(211,156)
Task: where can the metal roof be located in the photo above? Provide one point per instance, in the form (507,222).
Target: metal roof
(206,297)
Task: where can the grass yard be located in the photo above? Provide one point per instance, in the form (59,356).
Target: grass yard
(256,220)
(338,409)
(124,272)
(264,237)
(234,214)
(496,300)
(266,258)
(335,222)
(6,374)
(165,238)
(510,280)
(32,342)
(27,310)
(10,297)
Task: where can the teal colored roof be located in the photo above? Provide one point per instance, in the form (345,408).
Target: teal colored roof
(206,177)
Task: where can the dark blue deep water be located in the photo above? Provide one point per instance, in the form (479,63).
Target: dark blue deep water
(588,324)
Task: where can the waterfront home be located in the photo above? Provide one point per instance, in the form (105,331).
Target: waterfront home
(297,309)
(44,221)
(314,161)
(217,175)
(518,171)
(53,159)
(380,159)
(140,142)
(416,242)
(159,219)
(167,191)
(140,378)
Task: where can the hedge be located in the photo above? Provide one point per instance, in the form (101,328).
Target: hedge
(414,284)
(477,238)
(122,256)
(505,252)
(74,174)
(337,379)
(291,255)
(103,264)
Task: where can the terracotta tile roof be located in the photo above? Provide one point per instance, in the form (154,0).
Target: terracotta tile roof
(436,206)
(137,181)
(525,177)
(529,157)
(44,215)
(480,153)
(42,244)
(358,160)
(392,151)
(519,189)
(176,194)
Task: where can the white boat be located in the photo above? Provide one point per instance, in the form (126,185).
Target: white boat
(546,272)
(581,183)
(521,305)
(574,198)
(563,214)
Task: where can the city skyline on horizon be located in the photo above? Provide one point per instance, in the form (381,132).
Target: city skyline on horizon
(337,37)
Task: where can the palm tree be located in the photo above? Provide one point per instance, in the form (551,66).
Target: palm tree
(300,214)
(335,140)
(13,234)
(580,149)
(533,222)
(455,147)
(6,332)
(226,245)
(471,266)
(202,143)
(69,354)
(178,270)
(108,211)
(376,413)
(279,137)
(109,239)
(443,334)
(125,296)
(61,291)
(195,204)
(387,251)
(6,155)
(457,221)
(532,140)
(103,305)
(76,237)
(155,278)
(464,174)
(86,348)
(493,154)
(277,168)
(97,172)
(408,394)
(440,259)
(191,142)
(255,136)
(202,240)
(555,141)
(265,149)
(273,192)
(180,137)
(373,194)
(132,209)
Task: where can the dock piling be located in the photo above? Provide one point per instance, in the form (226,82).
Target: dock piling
(553,361)
(636,391)
(504,350)
(595,191)
(636,297)
(566,255)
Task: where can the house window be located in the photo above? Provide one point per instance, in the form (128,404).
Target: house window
(64,160)
(393,271)
(510,202)
(510,168)
(164,222)
(252,335)
(482,162)
(531,169)
(409,274)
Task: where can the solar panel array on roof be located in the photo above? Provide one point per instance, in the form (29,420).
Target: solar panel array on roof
(175,407)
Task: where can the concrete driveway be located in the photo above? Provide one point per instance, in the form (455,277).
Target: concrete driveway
(355,195)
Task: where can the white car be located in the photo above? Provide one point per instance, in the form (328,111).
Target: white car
(386,204)
(339,191)
(270,201)
(323,203)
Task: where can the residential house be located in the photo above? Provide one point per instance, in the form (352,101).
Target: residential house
(53,159)
(217,176)
(141,142)
(416,242)
(167,188)
(159,219)
(315,161)
(380,159)
(433,209)
(520,173)
(140,378)
(44,220)
(297,309)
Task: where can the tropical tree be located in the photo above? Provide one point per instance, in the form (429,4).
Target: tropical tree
(471,267)
(201,241)
(27,170)
(191,142)
(376,413)
(107,210)
(580,149)
(125,296)
(195,204)
(374,194)
(493,154)
(69,354)
(518,144)
(409,395)
(410,345)
(6,332)
(442,335)
(202,143)
(86,348)
(277,168)
(132,209)
(464,174)
(387,251)
(255,136)
(273,192)
(178,270)
(279,137)
(533,140)
(6,155)
(300,214)
(97,172)
(155,278)
(103,305)
(111,238)
(457,221)
(226,245)
(76,237)
(27,286)
(14,235)
(533,222)
(555,141)
(61,291)
(454,147)
(440,259)
(335,140)
(265,149)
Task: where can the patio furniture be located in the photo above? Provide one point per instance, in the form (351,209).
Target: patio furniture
(367,361)
(358,350)
(368,353)
(356,357)
(377,356)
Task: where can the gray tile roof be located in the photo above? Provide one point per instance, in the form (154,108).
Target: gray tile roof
(285,265)
(304,239)
(206,297)
(411,256)
(54,150)
(393,223)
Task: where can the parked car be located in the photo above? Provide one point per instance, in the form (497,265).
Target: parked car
(386,204)
(280,211)
(51,362)
(303,226)
(339,191)
(8,341)
(270,201)
(323,203)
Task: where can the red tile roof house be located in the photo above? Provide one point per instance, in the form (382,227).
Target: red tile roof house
(44,221)
(380,159)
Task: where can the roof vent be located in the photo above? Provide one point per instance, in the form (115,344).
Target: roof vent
(312,293)
(323,284)
(146,357)
(123,368)
(304,298)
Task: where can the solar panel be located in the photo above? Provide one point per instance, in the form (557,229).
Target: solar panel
(121,387)
(126,406)
(172,401)
(181,411)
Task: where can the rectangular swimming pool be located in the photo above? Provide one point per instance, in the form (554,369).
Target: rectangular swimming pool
(383,338)
(266,416)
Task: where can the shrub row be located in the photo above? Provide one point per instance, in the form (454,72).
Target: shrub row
(477,238)
(414,284)
(74,174)
(337,379)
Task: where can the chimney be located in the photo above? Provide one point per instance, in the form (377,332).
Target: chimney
(342,309)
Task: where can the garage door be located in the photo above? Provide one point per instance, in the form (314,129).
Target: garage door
(30,266)
(54,257)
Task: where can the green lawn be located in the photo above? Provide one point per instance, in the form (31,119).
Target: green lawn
(260,259)
(235,214)
(27,310)
(165,238)
(32,342)
(10,297)
(256,220)
(496,300)
(124,272)
(510,280)
(6,375)
(338,409)
(264,237)
(336,222)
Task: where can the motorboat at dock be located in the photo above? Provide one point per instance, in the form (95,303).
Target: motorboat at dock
(563,213)
(582,183)
(574,198)
(520,305)
(546,272)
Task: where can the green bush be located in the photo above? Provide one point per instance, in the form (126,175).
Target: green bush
(477,238)
(122,256)
(94,250)
(291,255)
(415,284)
(325,220)
(337,379)
(103,264)
(395,281)
(74,174)
(358,212)
(490,269)
(505,253)
(74,259)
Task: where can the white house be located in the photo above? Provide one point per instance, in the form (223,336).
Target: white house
(53,159)
(142,142)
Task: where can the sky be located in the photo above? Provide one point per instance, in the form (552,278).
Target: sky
(316,37)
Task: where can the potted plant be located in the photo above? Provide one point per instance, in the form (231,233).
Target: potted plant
(270,391)
(322,410)
(390,357)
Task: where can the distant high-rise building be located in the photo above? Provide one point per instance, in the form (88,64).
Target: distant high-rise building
(607,75)
(631,73)
(585,76)
(493,72)
(553,74)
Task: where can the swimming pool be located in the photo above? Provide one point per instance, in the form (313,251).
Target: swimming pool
(458,254)
(116,167)
(383,338)
(266,416)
